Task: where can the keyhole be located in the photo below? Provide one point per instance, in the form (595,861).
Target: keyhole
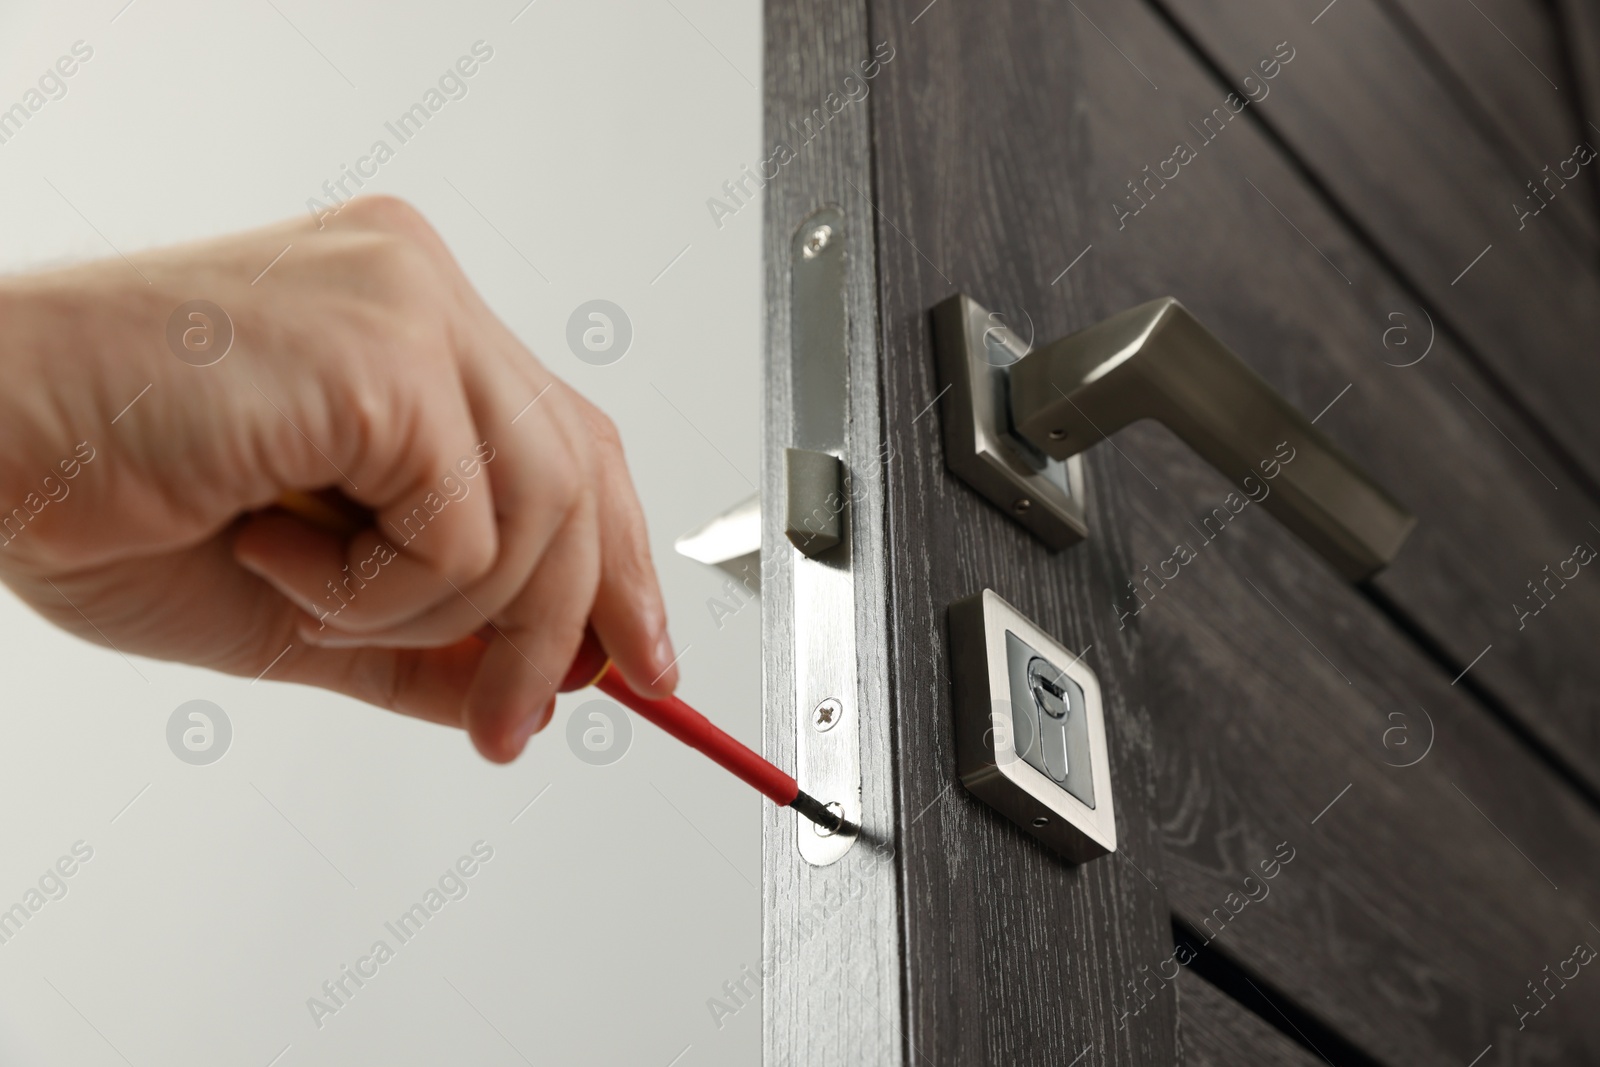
(1049,690)
(1048,693)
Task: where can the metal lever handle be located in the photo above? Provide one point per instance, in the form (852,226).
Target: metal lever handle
(1156,361)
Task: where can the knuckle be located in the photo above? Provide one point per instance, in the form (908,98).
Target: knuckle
(605,437)
(404,275)
(369,409)
(605,433)
(379,417)
(600,448)
(392,213)
(561,483)
(402,265)
(596,424)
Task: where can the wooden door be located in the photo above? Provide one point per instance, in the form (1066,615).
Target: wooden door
(1387,209)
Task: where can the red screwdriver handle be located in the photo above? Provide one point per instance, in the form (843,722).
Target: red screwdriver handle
(594,667)
(699,732)
(586,669)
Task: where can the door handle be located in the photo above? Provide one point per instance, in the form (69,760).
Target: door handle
(1156,361)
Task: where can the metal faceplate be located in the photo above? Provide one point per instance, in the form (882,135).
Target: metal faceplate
(827,738)
(975,351)
(1030,728)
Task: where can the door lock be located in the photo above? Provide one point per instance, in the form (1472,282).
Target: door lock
(1056,722)
(1030,728)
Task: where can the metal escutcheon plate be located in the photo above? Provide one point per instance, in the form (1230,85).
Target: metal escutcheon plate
(1030,728)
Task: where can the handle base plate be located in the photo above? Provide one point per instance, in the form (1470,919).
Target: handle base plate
(976,350)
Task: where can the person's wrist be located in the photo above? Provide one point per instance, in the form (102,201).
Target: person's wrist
(36,329)
(19,365)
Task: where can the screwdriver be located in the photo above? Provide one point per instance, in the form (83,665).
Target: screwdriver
(593,667)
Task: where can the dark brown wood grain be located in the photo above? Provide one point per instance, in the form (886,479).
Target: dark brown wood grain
(1407,921)
(1012,956)
(1580,30)
(1402,161)
(1215,1031)
(1505,65)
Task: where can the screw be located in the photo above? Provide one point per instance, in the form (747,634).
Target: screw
(1041,820)
(1021,506)
(835,807)
(817,240)
(1056,435)
(828,713)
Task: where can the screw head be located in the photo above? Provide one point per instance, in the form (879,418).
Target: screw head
(1041,820)
(1022,505)
(1056,435)
(827,715)
(817,240)
(835,807)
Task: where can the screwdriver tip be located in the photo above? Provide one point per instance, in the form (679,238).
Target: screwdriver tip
(820,813)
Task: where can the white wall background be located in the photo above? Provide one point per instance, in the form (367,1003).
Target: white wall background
(222,896)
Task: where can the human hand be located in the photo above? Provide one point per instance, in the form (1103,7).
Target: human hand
(363,362)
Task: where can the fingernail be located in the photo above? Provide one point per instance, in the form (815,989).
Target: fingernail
(665,659)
